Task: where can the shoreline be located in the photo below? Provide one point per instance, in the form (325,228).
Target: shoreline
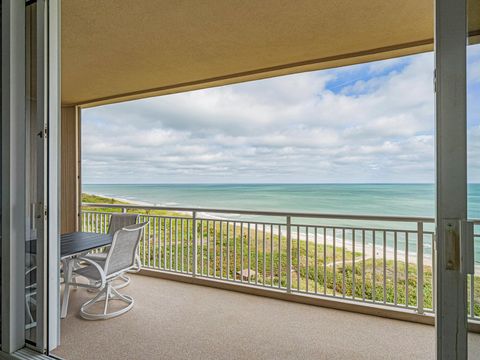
(329,241)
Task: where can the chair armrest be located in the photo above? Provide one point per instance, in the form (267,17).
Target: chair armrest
(98,268)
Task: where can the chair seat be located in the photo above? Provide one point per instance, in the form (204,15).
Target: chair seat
(89,271)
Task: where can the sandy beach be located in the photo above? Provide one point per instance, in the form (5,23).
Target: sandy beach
(328,240)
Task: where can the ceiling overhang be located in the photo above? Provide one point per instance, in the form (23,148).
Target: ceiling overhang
(121,50)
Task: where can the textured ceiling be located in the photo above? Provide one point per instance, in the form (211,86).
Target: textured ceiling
(116,50)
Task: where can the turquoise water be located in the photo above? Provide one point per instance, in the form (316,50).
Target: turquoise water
(357,199)
(361,199)
(412,200)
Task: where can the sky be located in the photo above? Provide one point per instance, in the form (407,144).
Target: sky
(367,123)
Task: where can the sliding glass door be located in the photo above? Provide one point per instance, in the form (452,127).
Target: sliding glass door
(29,174)
(33,290)
(42,185)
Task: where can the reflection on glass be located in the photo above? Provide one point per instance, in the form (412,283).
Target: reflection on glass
(31,290)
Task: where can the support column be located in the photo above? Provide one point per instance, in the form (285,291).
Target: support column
(70,169)
(451,177)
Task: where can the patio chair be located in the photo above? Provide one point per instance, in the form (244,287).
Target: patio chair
(30,290)
(118,221)
(120,258)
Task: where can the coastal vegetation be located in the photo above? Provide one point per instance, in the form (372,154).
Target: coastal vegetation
(258,256)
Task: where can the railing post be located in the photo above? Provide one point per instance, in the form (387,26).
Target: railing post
(289,255)
(194,236)
(420,302)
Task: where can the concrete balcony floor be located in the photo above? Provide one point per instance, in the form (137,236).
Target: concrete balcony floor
(174,320)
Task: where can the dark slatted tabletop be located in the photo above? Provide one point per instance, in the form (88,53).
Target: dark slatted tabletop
(81,242)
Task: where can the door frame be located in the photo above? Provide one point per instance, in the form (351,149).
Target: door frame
(13,175)
(453,243)
(15,209)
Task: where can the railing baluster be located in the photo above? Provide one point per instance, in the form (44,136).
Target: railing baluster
(194,246)
(420,302)
(395,271)
(248,251)
(234,251)
(406,269)
(306,258)
(433,272)
(316,260)
(324,261)
(241,251)
(208,248)
(144,250)
(148,238)
(176,244)
(182,236)
(343,263)
(160,242)
(256,253)
(264,255)
(170,238)
(221,249)
(271,255)
(165,243)
(354,268)
(472,295)
(188,244)
(201,248)
(363,265)
(155,219)
(289,255)
(228,250)
(374,272)
(279,256)
(334,262)
(384,267)
(298,258)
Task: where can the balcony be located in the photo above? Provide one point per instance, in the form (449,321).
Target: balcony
(352,263)
(175,320)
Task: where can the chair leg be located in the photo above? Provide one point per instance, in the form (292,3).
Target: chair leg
(125,281)
(67,268)
(31,321)
(106,294)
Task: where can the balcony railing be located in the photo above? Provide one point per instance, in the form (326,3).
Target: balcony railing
(380,260)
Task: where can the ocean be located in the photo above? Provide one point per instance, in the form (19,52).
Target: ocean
(351,199)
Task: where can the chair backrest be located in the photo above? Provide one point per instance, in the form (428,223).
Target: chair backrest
(121,255)
(120,220)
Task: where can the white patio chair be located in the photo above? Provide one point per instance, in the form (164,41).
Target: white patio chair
(117,221)
(121,257)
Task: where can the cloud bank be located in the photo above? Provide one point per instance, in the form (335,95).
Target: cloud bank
(365,123)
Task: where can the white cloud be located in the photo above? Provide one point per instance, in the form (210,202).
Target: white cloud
(377,127)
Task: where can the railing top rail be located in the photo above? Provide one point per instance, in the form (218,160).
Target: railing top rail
(267,213)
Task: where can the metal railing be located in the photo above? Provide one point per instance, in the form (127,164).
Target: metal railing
(370,259)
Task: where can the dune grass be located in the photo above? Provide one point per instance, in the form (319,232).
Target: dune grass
(319,269)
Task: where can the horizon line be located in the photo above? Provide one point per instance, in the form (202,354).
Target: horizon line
(276,183)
